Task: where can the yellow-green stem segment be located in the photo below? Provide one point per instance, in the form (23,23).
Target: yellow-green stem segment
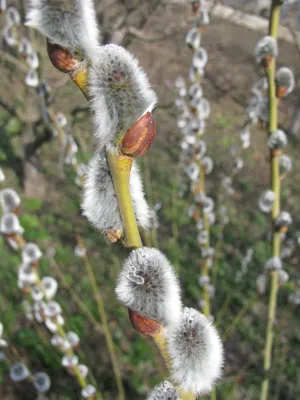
(275,180)
(120,167)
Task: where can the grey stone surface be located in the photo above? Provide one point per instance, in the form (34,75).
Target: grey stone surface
(290,12)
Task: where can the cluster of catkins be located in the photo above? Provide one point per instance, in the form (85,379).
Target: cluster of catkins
(193,112)
(121,98)
(16,41)
(61,130)
(119,95)
(40,304)
(149,286)
(19,372)
(266,49)
(57,122)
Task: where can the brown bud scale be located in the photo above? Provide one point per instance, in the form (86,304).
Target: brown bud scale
(280,91)
(139,138)
(143,325)
(61,58)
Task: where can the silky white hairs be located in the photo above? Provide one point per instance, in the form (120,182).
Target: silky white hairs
(120,92)
(266,47)
(196,352)
(285,78)
(9,200)
(100,204)
(164,391)
(148,285)
(71,24)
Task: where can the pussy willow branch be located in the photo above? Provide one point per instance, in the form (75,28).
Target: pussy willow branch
(120,169)
(61,331)
(205,266)
(79,376)
(81,380)
(11,357)
(275,181)
(42,335)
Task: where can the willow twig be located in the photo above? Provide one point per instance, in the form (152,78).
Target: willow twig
(275,182)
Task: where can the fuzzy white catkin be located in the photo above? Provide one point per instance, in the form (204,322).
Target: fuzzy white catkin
(148,285)
(70,24)
(10,224)
(9,200)
(120,92)
(18,372)
(285,164)
(164,391)
(277,140)
(100,204)
(193,38)
(285,78)
(41,382)
(267,46)
(196,352)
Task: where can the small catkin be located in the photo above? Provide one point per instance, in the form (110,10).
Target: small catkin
(120,93)
(100,204)
(148,285)
(196,352)
(164,391)
(72,24)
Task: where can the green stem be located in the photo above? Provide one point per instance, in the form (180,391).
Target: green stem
(120,167)
(275,178)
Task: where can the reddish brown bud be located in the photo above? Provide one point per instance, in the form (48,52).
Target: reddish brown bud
(194,111)
(61,58)
(139,138)
(281,91)
(143,325)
